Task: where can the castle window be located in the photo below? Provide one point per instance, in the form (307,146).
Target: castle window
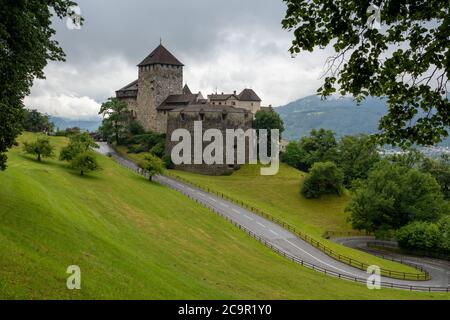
(182,116)
(202,116)
(252,104)
(220,103)
(233,103)
(224,116)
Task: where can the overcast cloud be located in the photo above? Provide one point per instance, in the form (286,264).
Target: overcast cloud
(228,45)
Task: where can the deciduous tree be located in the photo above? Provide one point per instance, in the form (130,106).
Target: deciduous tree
(26,45)
(406,60)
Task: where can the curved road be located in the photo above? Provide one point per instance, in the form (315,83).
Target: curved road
(277,237)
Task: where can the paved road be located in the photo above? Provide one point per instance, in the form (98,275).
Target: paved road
(276,236)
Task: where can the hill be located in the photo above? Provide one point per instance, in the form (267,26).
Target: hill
(137,240)
(64,123)
(280,197)
(342,115)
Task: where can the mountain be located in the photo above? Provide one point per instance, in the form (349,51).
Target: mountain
(64,123)
(342,115)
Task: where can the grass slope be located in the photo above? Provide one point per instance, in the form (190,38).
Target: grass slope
(135,239)
(280,196)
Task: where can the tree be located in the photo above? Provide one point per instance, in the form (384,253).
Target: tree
(406,60)
(393,196)
(268,120)
(26,45)
(440,170)
(293,155)
(324,178)
(79,143)
(115,113)
(152,165)
(320,146)
(418,235)
(85,162)
(356,155)
(34,121)
(41,148)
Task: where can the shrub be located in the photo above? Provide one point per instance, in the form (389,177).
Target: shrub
(167,159)
(135,128)
(418,235)
(159,150)
(324,178)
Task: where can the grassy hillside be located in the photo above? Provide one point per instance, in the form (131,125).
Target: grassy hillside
(280,196)
(135,239)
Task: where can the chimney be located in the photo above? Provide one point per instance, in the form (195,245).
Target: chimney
(234,92)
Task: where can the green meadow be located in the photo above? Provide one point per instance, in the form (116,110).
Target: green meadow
(139,240)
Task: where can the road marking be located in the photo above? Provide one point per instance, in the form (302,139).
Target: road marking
(309,254)
(273,232)
(212,199)
(261,224)
(224,205)
(249,218)
(236,211)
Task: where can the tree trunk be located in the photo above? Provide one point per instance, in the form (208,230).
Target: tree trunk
(82,173)
(150,178)
(39,157)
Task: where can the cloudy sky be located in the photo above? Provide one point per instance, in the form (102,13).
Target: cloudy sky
(228,45)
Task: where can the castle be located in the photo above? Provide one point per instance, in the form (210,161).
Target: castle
(158,101)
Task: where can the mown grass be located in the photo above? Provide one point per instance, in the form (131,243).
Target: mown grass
(137,240)
(280,197)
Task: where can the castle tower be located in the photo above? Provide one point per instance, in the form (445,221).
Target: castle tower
(160,75)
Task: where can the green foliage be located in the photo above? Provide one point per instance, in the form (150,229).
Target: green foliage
(115,116)
(356,155)
(68,132)
(440,170)
(85,162)
(425,236)
(293,155)
(268,119)
(79,143)
(320,146)
(168,163)
(406,60)
(26,45)
(34,121)
(393,196)
(159,150)
(152,165)
(135,128)
(41,148)
(324,178)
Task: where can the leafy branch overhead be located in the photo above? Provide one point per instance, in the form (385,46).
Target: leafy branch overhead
(407,60)
(26,45)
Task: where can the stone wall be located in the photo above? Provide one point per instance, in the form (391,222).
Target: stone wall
(211,120)
(156,83)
